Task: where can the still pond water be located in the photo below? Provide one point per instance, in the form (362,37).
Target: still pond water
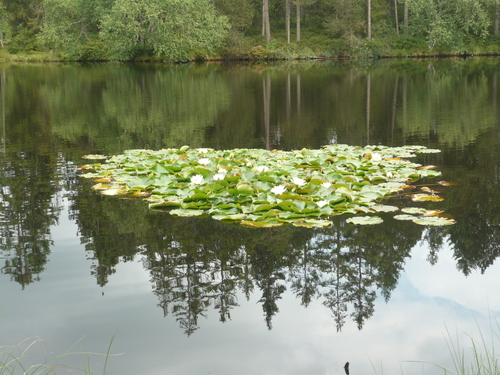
(196,296)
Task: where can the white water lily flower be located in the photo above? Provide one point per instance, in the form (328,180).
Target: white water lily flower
(280,189)
(322,203)
(326,185)
(222,171)
(197,179)
(204,161)
(219,176)
(376,157)
(298,181)
(389,174)
(262,168)
(203,150)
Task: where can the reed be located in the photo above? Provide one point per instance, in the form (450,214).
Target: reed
(480,358)
(13,360)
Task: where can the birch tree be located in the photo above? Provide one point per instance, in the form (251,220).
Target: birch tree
(266,25)
(4,26)
(369,19)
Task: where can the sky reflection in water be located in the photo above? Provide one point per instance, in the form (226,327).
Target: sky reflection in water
(66,304)
(412,326)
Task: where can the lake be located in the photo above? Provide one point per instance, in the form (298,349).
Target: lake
(81,271)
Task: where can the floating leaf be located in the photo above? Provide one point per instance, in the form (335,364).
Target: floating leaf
(312,223)
(426,198)
(104,180)
(446,183)
(405,217)
(261,224)
(264,188)
(94,157)
(244,189)
(365,220)
(89,175)
(138,194)
(101,186)
(428,190)
(432,213)
(235,217)
(429,151)
(114,191)
(186,213)
(434,221)
(197,196)
(384,208)
(414,210)
(427,167)
(165,205)
(378,179)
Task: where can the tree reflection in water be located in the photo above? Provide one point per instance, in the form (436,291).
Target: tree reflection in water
(201,264)
(197,265)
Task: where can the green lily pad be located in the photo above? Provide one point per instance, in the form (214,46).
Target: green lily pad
(312,223)
(433,221)
(186,213)
(384,208)
(165,205)
(414,210)
(261,224)
(94,157)
(428,151)
(365,220)
(405,217)
(262,188)
(235,217)
(426,198)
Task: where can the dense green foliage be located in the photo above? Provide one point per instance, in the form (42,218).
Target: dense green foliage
(262,188)
(181,30)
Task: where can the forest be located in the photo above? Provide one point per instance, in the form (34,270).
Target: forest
(185,30)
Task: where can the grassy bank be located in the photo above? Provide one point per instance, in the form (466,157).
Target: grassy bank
(311,46)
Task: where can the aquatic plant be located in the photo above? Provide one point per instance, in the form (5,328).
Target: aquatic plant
(481,358)
(13,359)
(261,188)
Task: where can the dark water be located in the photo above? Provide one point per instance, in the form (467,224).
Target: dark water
(196,296)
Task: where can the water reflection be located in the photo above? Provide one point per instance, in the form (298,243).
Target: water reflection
(199,264)
(202,264)
(29,186)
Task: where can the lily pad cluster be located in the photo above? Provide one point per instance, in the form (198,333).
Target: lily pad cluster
(262,188)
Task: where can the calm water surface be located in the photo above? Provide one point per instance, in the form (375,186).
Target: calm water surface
(196,296)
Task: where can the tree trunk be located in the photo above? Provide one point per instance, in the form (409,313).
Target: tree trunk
(298,22)
(287,16)
(406,17)
(369,19)
(266,27)
(497,18)
(396,16)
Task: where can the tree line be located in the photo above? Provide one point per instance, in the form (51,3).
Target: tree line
(178,30)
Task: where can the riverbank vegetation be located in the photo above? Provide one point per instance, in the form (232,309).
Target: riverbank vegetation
(173,30)
(15,359)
